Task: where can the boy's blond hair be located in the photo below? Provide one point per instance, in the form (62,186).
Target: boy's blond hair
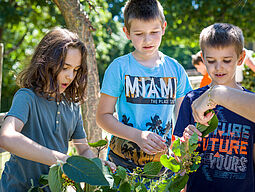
(144,10)
(221,35)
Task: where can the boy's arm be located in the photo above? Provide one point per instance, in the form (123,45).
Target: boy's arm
(15,142)
(177,107)
(240,102)
(149,142)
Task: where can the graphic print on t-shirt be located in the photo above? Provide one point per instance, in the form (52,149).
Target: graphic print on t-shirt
(150,90)
(225,151)
(129,150)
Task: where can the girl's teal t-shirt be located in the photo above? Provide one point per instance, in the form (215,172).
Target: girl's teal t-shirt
(51,124)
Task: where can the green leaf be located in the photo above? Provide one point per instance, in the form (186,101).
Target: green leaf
(125,187)
(213,124)
(193,147)
(201,127)
(55,178)
(43,179)
(152,169)
(98,162)
(117,180)
(121,171)
(82,169)
(176,147)
(163,186)
(178,183)
(141,188)
(170,163)
(194,166)
(99,143)
(193,139)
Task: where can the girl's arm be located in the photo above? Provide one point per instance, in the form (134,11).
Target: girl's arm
(240,102)
(15,142)
(84,149)
(149,142)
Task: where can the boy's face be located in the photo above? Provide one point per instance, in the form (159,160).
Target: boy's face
(69,71)
(201,68)
(146,36)
(221,64)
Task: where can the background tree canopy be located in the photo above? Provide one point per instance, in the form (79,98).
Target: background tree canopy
(24,22)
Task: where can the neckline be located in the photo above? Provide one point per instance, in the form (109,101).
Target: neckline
(161,55)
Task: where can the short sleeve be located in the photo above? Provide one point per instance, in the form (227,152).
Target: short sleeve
(184,118)
(79,132)
(21,105)
(183,84)
(113,84)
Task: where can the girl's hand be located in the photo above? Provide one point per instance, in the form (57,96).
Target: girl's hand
(151,143)
(189,131)
(111,165)
(201,105)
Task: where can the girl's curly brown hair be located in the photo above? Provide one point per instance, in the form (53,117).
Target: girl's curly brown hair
(47,63)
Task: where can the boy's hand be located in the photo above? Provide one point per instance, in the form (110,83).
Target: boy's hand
(189,131)
(200,106)
(151,143)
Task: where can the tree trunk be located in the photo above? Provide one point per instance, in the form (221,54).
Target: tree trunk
(77,21)
(1,68)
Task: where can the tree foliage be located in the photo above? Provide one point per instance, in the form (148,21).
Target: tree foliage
(23,24)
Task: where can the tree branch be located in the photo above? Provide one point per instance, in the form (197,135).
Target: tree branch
(16,46)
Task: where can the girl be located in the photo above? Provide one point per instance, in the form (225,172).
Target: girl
(45,113)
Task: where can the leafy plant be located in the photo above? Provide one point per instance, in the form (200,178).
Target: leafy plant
(96,177)
(99,145)
(184,159)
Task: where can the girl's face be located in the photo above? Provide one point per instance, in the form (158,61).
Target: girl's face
(69,71)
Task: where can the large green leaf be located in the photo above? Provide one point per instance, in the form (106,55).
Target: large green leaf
(122,173)
(82,169)
(125,187)
(170,163)
(152,169)
(178,183)
(98,162)
(55,178)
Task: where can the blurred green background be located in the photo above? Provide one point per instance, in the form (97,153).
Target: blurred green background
(23,23)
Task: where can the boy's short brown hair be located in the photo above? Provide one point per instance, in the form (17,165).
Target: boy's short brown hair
(143,10)
(196,58)
(221,35)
